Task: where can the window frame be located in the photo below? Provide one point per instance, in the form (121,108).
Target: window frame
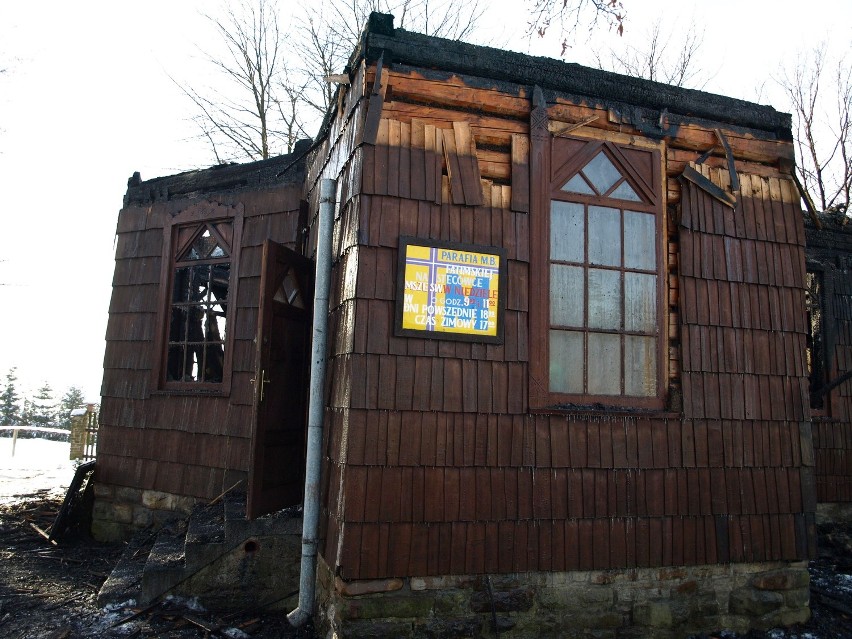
(825,359)
(196,215)
(546,187)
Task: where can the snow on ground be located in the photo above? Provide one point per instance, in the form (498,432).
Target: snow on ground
(38,464)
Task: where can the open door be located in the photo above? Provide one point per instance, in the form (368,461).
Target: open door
(282,371)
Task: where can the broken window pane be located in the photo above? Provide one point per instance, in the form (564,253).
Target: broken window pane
(220,275)
(198,314)
(814,347)
(288,291)
(181,285)
(178,329)
(205,246)
(175,365)
(226,232)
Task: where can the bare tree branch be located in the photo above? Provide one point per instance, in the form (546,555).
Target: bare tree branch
(328,32)
(662,58)
(568,15)
(239,116)
(822,120)
(262,106)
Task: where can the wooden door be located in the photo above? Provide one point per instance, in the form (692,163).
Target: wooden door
(282,371)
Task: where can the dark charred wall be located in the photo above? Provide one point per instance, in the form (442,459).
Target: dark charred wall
(435,463)
(829,258)
(186,443)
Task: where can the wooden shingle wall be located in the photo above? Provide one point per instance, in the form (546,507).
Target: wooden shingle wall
(743,333)
(840,309)
(833,460)
(186,444)
(434,464)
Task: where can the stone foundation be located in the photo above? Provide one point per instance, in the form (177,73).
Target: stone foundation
(260,574)
(834,513)
(638,603)
(119,511)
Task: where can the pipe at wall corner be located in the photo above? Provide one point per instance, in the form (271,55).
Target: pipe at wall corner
(316,407)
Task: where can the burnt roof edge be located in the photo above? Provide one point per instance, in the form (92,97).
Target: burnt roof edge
(277,171)
(432,52)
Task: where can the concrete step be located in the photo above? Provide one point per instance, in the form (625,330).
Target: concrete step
(166,565)
(125,581)
(238,528)
(217,556)
(205,536)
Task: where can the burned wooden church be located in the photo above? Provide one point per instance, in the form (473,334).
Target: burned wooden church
(565,368)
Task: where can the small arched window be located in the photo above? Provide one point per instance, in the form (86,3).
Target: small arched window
(198,310)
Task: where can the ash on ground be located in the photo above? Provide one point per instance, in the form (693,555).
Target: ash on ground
(49,591)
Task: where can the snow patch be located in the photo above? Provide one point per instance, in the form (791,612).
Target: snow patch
(38,465)
(115,607)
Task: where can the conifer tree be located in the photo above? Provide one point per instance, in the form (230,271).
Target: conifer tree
(73,398)
(43,407)
(10,408)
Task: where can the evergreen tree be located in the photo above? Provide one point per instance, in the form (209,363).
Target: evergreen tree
(27,412)
(10,408)
(43,407)
(72,399)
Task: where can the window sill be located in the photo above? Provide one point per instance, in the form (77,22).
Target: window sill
(599,410)
(204,392)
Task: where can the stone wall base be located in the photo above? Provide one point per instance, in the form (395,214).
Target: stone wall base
(119,511)
(834,513)
(662,603)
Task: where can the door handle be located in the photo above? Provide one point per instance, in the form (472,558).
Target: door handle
(264,380)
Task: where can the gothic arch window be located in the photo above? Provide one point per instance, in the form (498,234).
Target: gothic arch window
(198,310)
(600,323)
(199,290)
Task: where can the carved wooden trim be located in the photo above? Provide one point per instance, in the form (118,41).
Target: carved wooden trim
(540,142)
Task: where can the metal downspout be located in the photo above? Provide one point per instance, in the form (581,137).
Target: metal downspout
(316,408)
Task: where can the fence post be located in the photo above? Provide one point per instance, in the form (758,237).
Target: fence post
(79,422)
(91,439)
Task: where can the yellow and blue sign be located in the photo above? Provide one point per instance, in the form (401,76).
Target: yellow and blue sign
(449,290)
